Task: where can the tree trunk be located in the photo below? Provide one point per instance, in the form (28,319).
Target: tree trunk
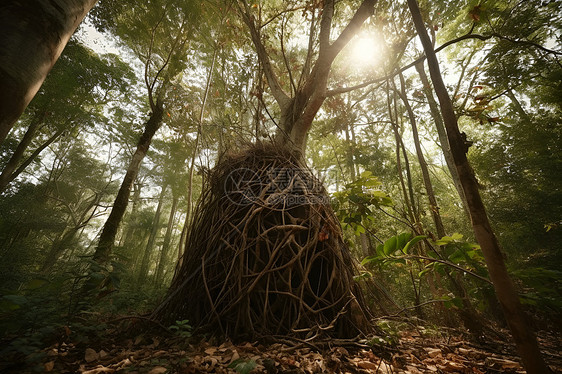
(440,127)
(523,335)
(409,212)
(107,237)
(34,34)
(152,238)
(423,164)
(298,112)
(13,162)
(166,244)
(132,229)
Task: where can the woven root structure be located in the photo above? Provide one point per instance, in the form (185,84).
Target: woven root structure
(265,256)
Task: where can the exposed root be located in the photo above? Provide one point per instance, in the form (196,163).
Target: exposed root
(265,255)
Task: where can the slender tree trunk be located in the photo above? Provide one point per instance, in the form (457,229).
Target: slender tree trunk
(13,162)
(443,141)
(407,203)
(34,155)
(433,206)
(523,335)
(132,228)
(468,314)
(32,37)
(152,238)
(166,245)
(107,237)
(183,235)
(362,239)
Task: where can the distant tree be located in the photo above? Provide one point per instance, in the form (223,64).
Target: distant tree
(70,100)
(158,33)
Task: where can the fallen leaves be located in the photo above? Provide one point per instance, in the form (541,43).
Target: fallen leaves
(416,352)
(91,355)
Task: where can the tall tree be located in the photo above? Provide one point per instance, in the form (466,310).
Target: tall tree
(33,35)
(523,335)
(307,94)
(71,99)
(164,57)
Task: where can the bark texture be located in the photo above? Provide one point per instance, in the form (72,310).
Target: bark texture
(33,35)
(107,237)
(522,333)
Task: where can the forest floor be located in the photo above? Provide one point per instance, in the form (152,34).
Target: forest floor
(412,350)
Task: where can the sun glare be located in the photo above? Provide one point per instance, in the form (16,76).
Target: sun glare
(366,51)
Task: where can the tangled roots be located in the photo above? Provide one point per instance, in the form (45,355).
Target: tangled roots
(265,255)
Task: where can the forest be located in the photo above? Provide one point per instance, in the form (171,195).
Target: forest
(267,186)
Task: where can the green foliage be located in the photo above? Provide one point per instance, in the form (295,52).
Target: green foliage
(390,333)
(541,288)
(243,366)
(182,329)
(395,246)
(354,204)
(38,314)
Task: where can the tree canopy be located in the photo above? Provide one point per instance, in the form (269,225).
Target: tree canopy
(105,176)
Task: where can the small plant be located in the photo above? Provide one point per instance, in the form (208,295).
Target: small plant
(182,328)
(243,366)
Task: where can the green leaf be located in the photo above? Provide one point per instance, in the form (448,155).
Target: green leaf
(457,257)
(243,366)
(413,242)
(359,230)
(456,236)
(369,259)
(390,245)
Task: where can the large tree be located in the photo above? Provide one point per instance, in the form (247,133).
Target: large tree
(33,35)
(523,335)
(301,97)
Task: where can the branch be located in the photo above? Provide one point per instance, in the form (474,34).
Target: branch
(431,259)
(306,66)
(326,25)
(277,91)
(404,68)
(341,90)
(284,54)
(366,9)
(150,86)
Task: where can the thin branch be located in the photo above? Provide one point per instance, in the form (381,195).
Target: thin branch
(284,54)
(444,262)
(279,15)
(279,94)
(341,90)
(149,86)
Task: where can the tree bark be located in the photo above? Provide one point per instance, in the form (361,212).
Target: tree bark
(166,244)
(109,231)
(522,333)
(152,238)
(33,35)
